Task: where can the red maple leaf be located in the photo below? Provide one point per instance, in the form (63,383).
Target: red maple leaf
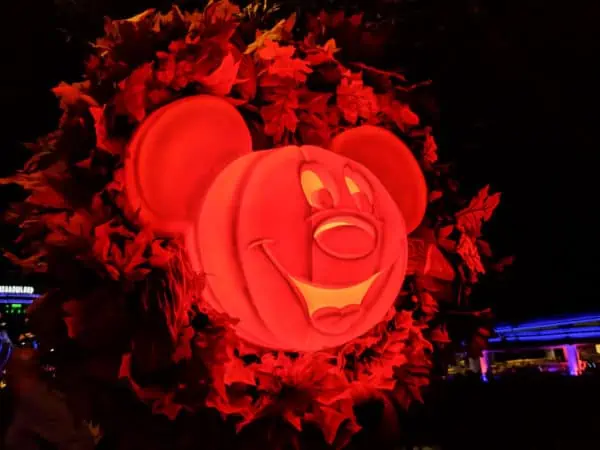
(320,54)
(237,372)
(125,260)
(428,304)
(468,251)
(72,320)
(443,238)
(440,335)
(501,265)
(399,112)
(221,80)
(356,100)
(480,209)
(271,50)
(281,31)
(293,68)
(484,248)
(430,148)
(245,85)
(313,128)
(219,11)
(103,142)
(71,95)
(280,117)
(434,196)
(47,197)
(167,65)
(132,98)
(282,63)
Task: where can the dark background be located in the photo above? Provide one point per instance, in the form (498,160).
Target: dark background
(515,105)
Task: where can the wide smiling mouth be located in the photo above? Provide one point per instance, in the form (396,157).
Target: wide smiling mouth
(317,296)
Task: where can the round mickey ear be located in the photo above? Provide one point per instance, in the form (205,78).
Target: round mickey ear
(175,155)
(384,154)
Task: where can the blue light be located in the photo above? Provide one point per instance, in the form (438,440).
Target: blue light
(590,329)
(6,343)
(547,336)
(7,357)
(550,323)
(572,359)
(15,301)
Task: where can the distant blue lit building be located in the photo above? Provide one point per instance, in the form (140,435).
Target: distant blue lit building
(14,301)
(568,336)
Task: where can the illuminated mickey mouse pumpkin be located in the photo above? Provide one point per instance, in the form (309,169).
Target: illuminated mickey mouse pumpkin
(307,247)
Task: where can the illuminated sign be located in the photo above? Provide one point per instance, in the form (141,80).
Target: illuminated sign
(16,290)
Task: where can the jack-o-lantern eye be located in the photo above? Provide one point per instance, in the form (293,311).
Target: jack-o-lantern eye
(318,188)
(359,188)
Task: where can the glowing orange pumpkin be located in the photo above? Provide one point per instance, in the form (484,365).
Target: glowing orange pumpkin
(307,247)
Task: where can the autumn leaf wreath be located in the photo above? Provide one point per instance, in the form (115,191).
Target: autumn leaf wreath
(128,300)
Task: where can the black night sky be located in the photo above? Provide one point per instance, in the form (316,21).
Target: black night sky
(516,88)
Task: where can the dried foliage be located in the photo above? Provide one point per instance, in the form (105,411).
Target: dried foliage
(126,302)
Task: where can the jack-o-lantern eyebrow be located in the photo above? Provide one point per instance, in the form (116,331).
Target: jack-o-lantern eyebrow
(356,183)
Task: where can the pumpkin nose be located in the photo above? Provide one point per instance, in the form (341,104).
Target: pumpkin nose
(346,237)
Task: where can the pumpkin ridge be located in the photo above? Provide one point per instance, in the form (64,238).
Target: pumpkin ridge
(241,184)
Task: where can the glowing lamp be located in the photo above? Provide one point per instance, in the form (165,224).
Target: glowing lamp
(307,247)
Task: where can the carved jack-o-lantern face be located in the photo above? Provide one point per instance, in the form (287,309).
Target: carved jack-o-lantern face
(307,247)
